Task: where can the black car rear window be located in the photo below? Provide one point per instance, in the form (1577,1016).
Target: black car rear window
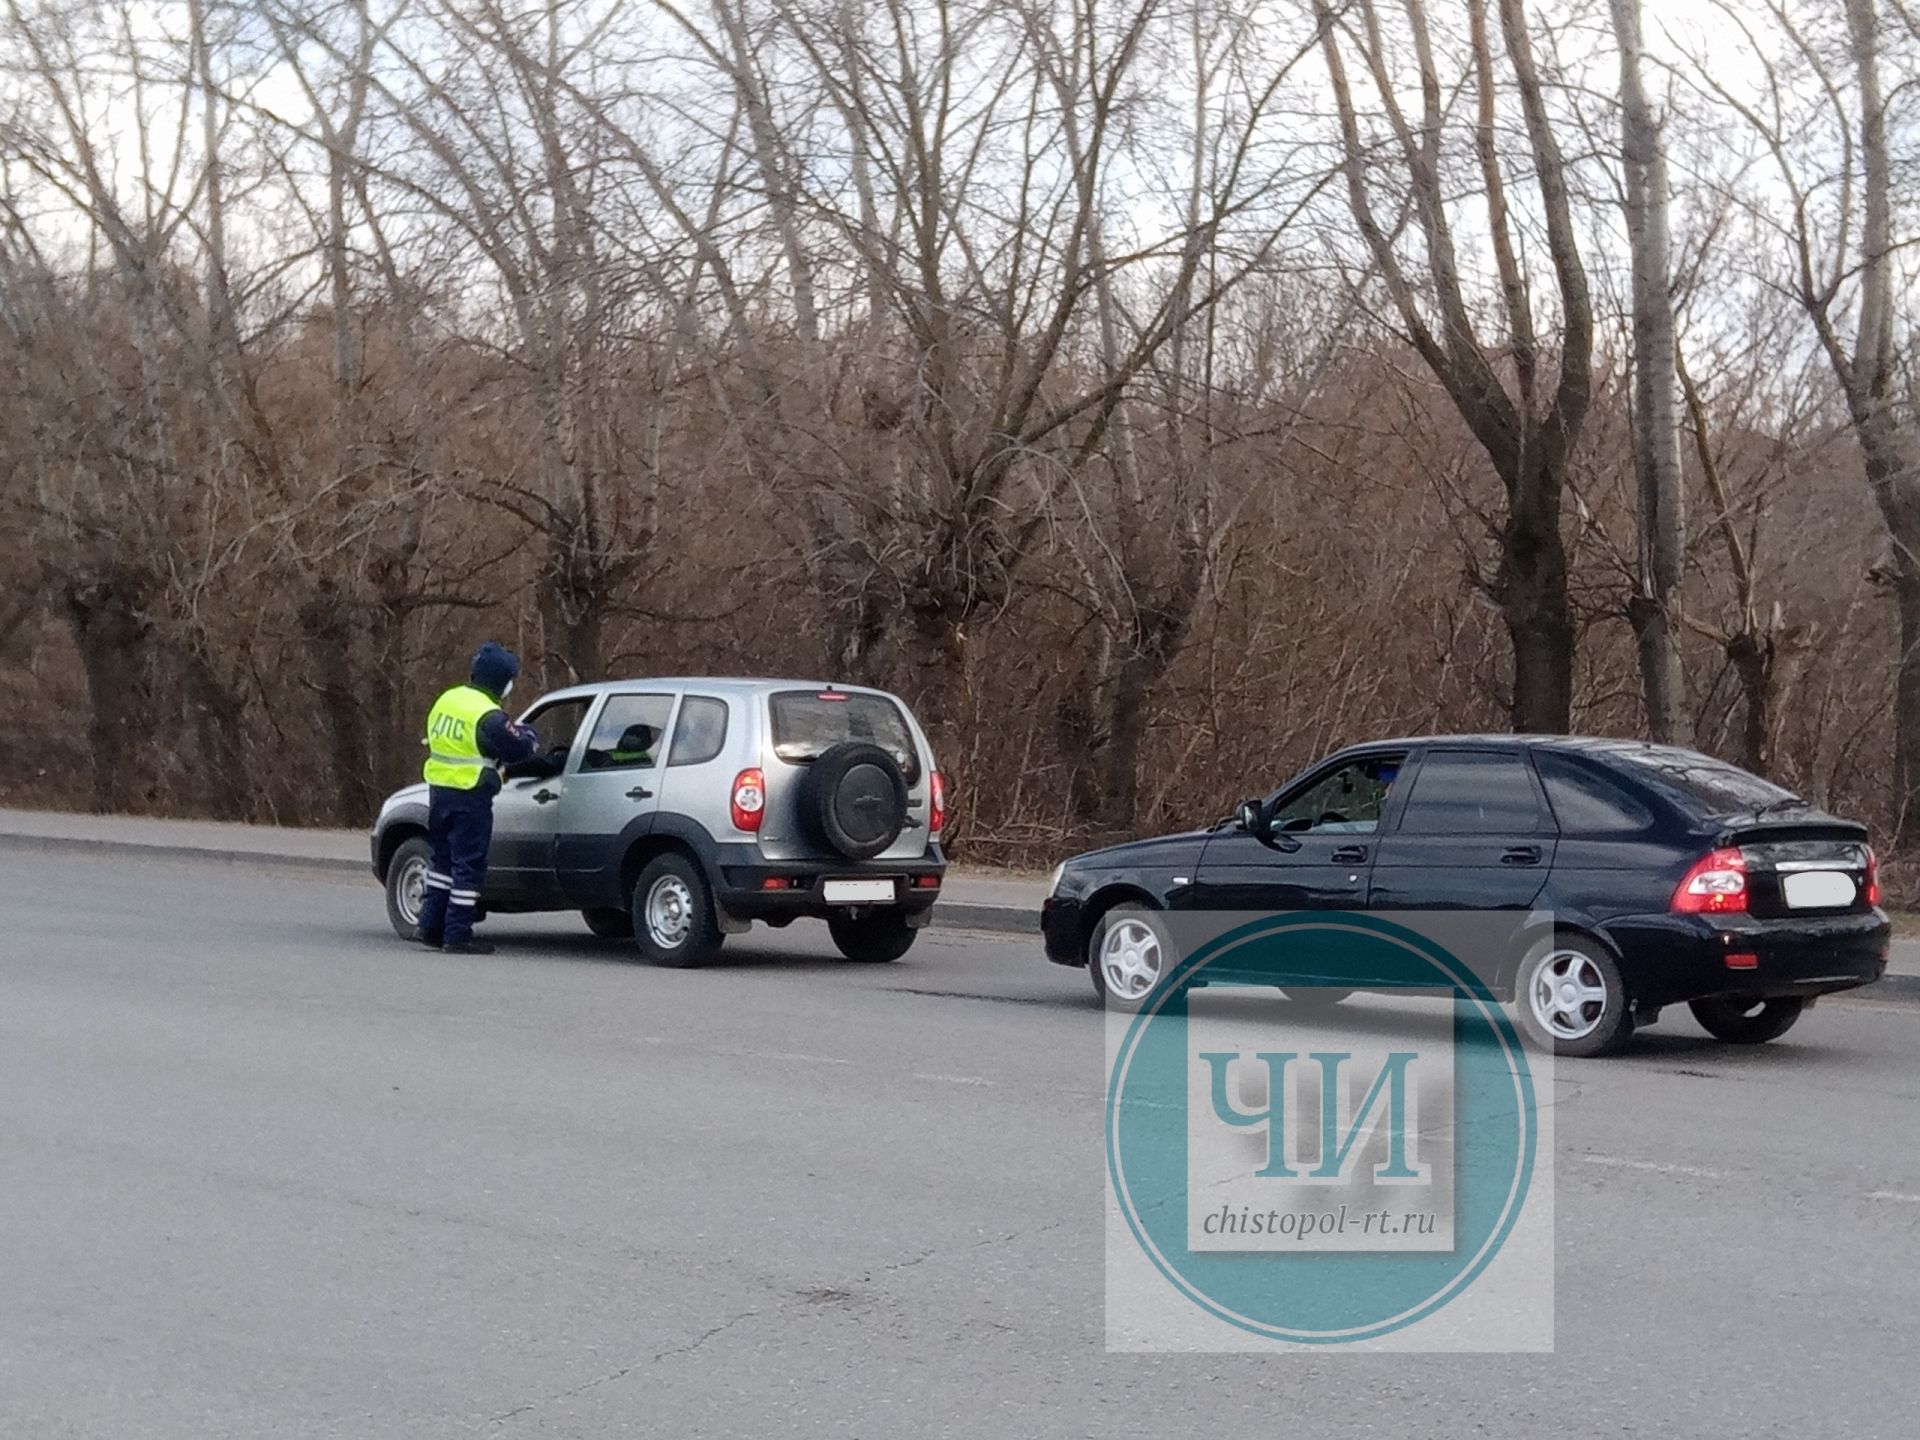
(808,723)
(1714,786)
(1586,802)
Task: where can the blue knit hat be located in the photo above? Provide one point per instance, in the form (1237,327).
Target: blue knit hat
(494,667)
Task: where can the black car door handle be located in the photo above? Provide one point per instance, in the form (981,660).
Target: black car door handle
(639,792)
(541,797)
(1521,855)
(1349,855)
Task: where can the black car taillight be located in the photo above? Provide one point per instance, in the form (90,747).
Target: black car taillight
(1715,884)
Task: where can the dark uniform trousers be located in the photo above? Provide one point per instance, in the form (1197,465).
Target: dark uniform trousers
(459,828)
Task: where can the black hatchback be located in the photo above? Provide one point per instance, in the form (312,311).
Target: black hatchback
(1670,877)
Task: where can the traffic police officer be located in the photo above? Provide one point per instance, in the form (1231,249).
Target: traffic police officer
(469,738)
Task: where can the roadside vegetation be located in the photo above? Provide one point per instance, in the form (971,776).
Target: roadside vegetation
(1156,396)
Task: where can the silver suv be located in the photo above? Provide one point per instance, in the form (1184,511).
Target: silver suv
(680,811)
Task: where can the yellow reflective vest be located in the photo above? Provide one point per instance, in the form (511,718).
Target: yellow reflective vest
(453,738)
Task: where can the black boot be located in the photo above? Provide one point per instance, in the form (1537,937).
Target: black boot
(427,938)
(467,947)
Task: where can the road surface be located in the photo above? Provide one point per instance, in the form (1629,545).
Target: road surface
(268,1171)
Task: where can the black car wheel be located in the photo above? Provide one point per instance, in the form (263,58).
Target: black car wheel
(407,885)
(1741,1021)
(1127,956)
(673,919)
(872,939)
(1572,999)
(609,924)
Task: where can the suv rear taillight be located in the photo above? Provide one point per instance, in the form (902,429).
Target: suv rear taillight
(749,801)
(1873,877)
(937,820)
(1715,885)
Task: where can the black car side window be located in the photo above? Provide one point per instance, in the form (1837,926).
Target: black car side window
(1349,801)
(1586,802)
(1462,793)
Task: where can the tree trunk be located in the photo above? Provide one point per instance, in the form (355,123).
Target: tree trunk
(1656,444)
(216,716)
(1753,658)
(1534,604)
(1906,707)
(571,599)
(110,630)
(328,627)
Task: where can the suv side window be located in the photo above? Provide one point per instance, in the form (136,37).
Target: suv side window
(1459,792)
(1349,801)
(627,736)
(556,723)
(1586,802)
(701,731)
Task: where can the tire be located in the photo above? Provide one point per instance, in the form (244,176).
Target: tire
(609,924)
(854,798)
(872,939)
(1127,956)
(1741,1021)
(1572,999)
(1317,997)
(406,884)
(672,913)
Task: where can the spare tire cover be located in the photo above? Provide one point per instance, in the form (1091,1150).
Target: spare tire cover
(855,799)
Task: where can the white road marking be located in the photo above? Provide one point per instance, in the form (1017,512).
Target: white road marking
(952,1079)
(795,1056)
(1657,1167)
(1896,1195)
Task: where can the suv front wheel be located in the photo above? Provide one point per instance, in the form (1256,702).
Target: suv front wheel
(873,939)
(673,919)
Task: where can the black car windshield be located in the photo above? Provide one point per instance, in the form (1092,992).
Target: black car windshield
(808,723)
(1715,786)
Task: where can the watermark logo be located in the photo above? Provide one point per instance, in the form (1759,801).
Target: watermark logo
(1284,1170)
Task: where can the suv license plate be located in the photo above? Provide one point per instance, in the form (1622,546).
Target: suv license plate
(858,892)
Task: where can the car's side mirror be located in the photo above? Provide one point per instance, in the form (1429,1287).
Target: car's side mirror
(1255,820)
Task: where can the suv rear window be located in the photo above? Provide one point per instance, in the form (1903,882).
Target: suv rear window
(808,723)
(1715,786)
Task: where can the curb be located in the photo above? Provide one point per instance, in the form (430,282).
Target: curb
(163,851)
(948,914)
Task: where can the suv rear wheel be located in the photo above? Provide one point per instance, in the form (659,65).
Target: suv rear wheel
(673,919)
(609,924)
(872,939)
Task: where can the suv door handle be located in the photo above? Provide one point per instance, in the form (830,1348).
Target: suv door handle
(1521,855)
(1349,855)
(639,792)
(541,797)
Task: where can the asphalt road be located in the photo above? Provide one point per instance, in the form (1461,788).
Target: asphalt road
(266,1171)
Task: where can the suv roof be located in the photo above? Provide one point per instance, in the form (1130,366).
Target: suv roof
(719,684)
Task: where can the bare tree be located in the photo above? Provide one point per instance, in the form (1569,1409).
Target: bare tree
(1822,117)
(1656,441)
(1528,431)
